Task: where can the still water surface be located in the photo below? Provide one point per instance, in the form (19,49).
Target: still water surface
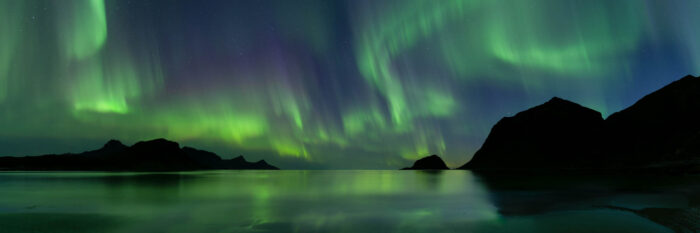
(343,201)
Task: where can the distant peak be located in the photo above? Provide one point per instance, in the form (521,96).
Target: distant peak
(685,80)
(558,100)
(159,142)
(262,161)
(113,144)
(561,105)
(689,76)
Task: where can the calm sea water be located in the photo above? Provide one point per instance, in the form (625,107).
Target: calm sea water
(343,201)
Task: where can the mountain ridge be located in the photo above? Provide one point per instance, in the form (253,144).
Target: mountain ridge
(152,155)
(659,132)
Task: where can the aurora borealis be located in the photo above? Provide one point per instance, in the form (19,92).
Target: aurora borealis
(318,83)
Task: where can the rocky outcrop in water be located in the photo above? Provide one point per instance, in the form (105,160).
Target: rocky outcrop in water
(432,162)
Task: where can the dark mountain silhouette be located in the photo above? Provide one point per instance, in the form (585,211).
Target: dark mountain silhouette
(661,129)
(660,132)
(432,162)
(212,160)
(557,132)
(154,155)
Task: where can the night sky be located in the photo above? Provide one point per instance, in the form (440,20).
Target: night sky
(323,84)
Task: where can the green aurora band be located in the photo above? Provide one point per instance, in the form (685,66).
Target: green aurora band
(322,84)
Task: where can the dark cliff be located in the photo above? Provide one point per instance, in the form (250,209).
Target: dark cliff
(661,132)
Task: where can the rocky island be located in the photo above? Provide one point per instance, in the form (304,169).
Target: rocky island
(432,162)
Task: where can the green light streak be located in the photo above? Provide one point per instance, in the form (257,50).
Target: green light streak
(214,118)
(83,30)
(10,28)
(111,84)
(102,92)
(580,43)
(429,73)
(359,120)
(380,44)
